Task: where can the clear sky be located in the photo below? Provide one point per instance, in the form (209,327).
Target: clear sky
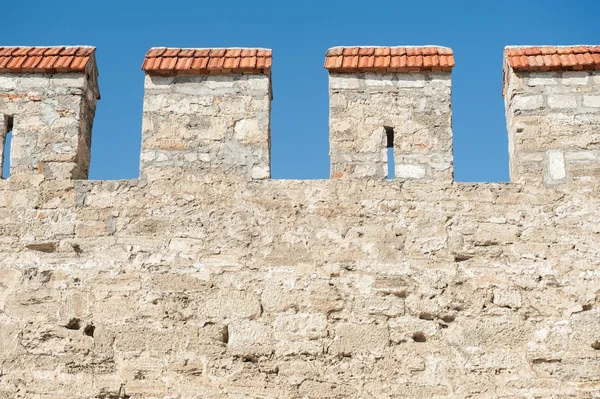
(300,32)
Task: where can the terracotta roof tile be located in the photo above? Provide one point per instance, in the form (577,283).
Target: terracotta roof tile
(203,52)
(202,61)
(382,62)
(31,62)
(199,64)
(53,51)
(6,51)
(366,61)
(168,63)
(85,51)
(398,61)
(389,59)
(233,53)
(219,52)
(67,51)
(335,51)
(44,59)
(38,50)
(15,63)
(427,61)
(553,58)
(63,62)
(184,63)
(379,51)
(334,62)
(398,50)
(233,62)
(262,62)
(351,61)
(187,53)
(249,52)
(78,63)
(216,62)
(171,52)
(248,63)
(21,51)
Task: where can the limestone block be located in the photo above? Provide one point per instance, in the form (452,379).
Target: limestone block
(528,102)
(412,329)
(591,101)
(233,305)
(507,298)
(345,82)
(250,339)
(540,79)
(303,326)
(387,305)
(359,339)
(575,78)
(410,171)
(562,101)
(317,389)
(556,166)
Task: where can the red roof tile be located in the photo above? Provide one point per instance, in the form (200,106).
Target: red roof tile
(389,59)
(169,61)
(553,58)
(44,59)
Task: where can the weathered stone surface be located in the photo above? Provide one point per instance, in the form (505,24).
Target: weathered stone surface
(202,122)
(203,279)
(51,117)
(366,108)
(549,113)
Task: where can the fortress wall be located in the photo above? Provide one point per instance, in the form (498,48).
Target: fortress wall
(214,284)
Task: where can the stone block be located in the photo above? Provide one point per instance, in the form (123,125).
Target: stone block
(591,101)
(528,103)
(250,339)
(556,166)
(359,339)
(562,101)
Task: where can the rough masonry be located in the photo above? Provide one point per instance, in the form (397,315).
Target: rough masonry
(206,279)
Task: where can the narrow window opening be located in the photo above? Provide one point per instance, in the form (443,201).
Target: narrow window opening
(389,132)
(5,142)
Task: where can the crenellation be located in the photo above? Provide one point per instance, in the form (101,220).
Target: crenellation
(206,122)
(552,113)
(52,120)
(205,278)
(415,105)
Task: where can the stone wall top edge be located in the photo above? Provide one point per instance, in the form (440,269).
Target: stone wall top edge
(10,184)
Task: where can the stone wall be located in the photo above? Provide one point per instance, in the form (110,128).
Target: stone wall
(200,280)
(292,289)
(553,121)
(206,122)
(415,106)
(52,116)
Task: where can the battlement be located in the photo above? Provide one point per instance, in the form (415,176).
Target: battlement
(208,111)
(49,96)
(552,97)
(206,279)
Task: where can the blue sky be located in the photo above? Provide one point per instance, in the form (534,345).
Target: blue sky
(299,34)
